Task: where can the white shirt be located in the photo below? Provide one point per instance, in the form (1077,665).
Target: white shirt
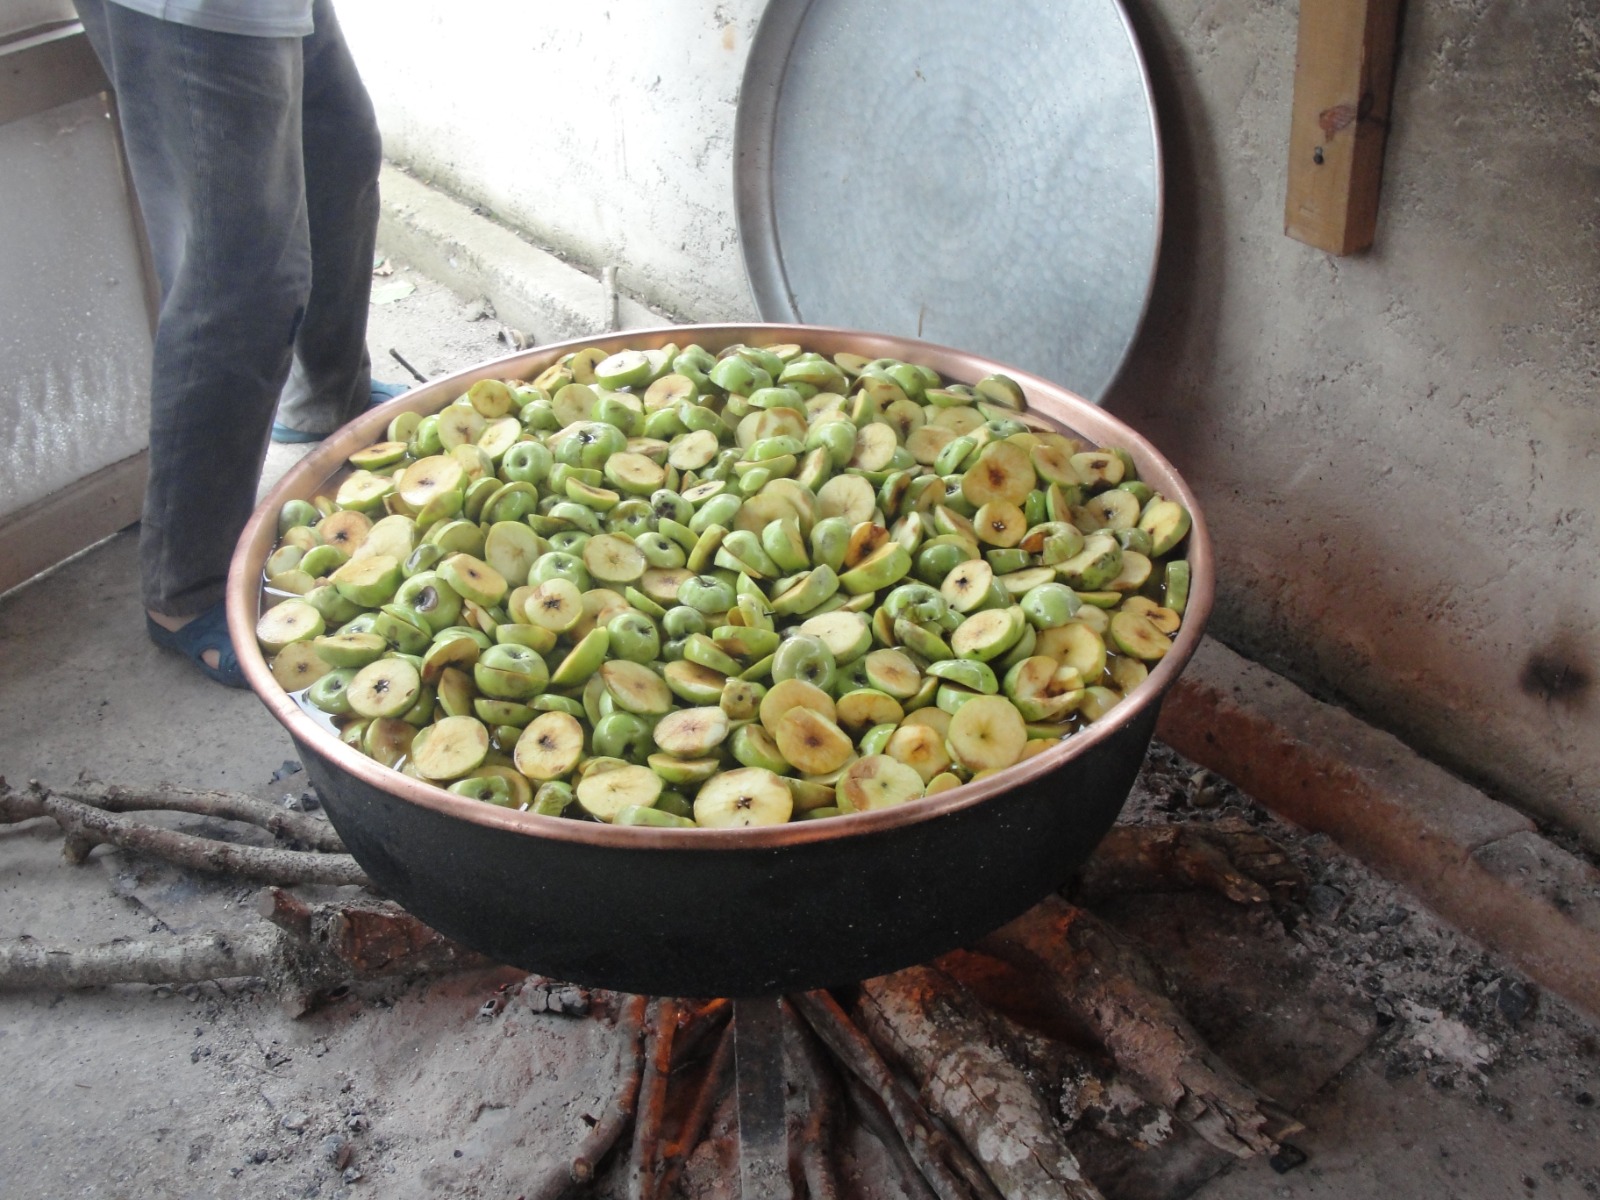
(254,18)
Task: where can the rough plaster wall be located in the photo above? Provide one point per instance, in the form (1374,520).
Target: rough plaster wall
(1396,450)
(605,132)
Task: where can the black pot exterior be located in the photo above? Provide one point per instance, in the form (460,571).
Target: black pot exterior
(736,922)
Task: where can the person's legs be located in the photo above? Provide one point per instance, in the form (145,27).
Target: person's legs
(330,381)
(211,124)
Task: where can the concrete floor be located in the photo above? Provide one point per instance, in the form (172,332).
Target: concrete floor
(210,1091)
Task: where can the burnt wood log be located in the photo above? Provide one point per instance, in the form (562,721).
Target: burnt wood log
(713,1084)
(580,1170)
(870,1113)
(949,1170)
(820,1090)
(1227,856)
(648,1123)
(1103,982)
(941,1035)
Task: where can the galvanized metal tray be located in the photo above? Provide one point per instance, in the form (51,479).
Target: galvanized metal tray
(978,173)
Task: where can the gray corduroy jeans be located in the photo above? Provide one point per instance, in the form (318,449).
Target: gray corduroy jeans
(255,161)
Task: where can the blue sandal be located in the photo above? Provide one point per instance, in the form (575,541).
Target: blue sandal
(208,631)
(382,393)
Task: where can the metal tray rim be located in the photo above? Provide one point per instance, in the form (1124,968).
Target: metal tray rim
(753,137)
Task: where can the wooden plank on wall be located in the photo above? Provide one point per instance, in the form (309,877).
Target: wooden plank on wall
(1343,77)
(36,538)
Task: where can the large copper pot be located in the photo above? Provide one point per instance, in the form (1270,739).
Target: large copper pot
(721,912)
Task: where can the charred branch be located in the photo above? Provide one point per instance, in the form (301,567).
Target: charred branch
(939,1033)
(697,1023)
(870,1113)
(1227,856)
(1103,982)
(713,1085)
(619,1113)
(945,1165)
(821,1092)
(648,1126)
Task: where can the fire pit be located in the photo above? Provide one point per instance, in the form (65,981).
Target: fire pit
(743,913)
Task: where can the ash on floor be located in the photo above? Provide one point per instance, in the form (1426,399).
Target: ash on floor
(1473,1084)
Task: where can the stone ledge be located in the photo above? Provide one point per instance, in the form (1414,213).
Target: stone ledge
(1538,867)
(1476,863)
(531,290)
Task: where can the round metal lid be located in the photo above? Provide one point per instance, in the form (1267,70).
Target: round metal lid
(979,173)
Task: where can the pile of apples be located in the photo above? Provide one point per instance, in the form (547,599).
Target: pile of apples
(675,588)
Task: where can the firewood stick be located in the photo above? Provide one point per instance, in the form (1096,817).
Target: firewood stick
(605,1134)
(977,1180)
(938,1031)
(287,911)
(712,1085)
(368,938)
(871,1114)
(815,1165)
(647,1125)
(1139,857)
(1227,857)
(87,826)
(543,994)
(934,1153)
(307,951)
(695,1024)
(230,806)
(26,964)
(1104,983)
(1078,1083)
(822,1094)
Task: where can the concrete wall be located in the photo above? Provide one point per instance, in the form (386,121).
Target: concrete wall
(17,15)
(1397,450)
(605,132)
